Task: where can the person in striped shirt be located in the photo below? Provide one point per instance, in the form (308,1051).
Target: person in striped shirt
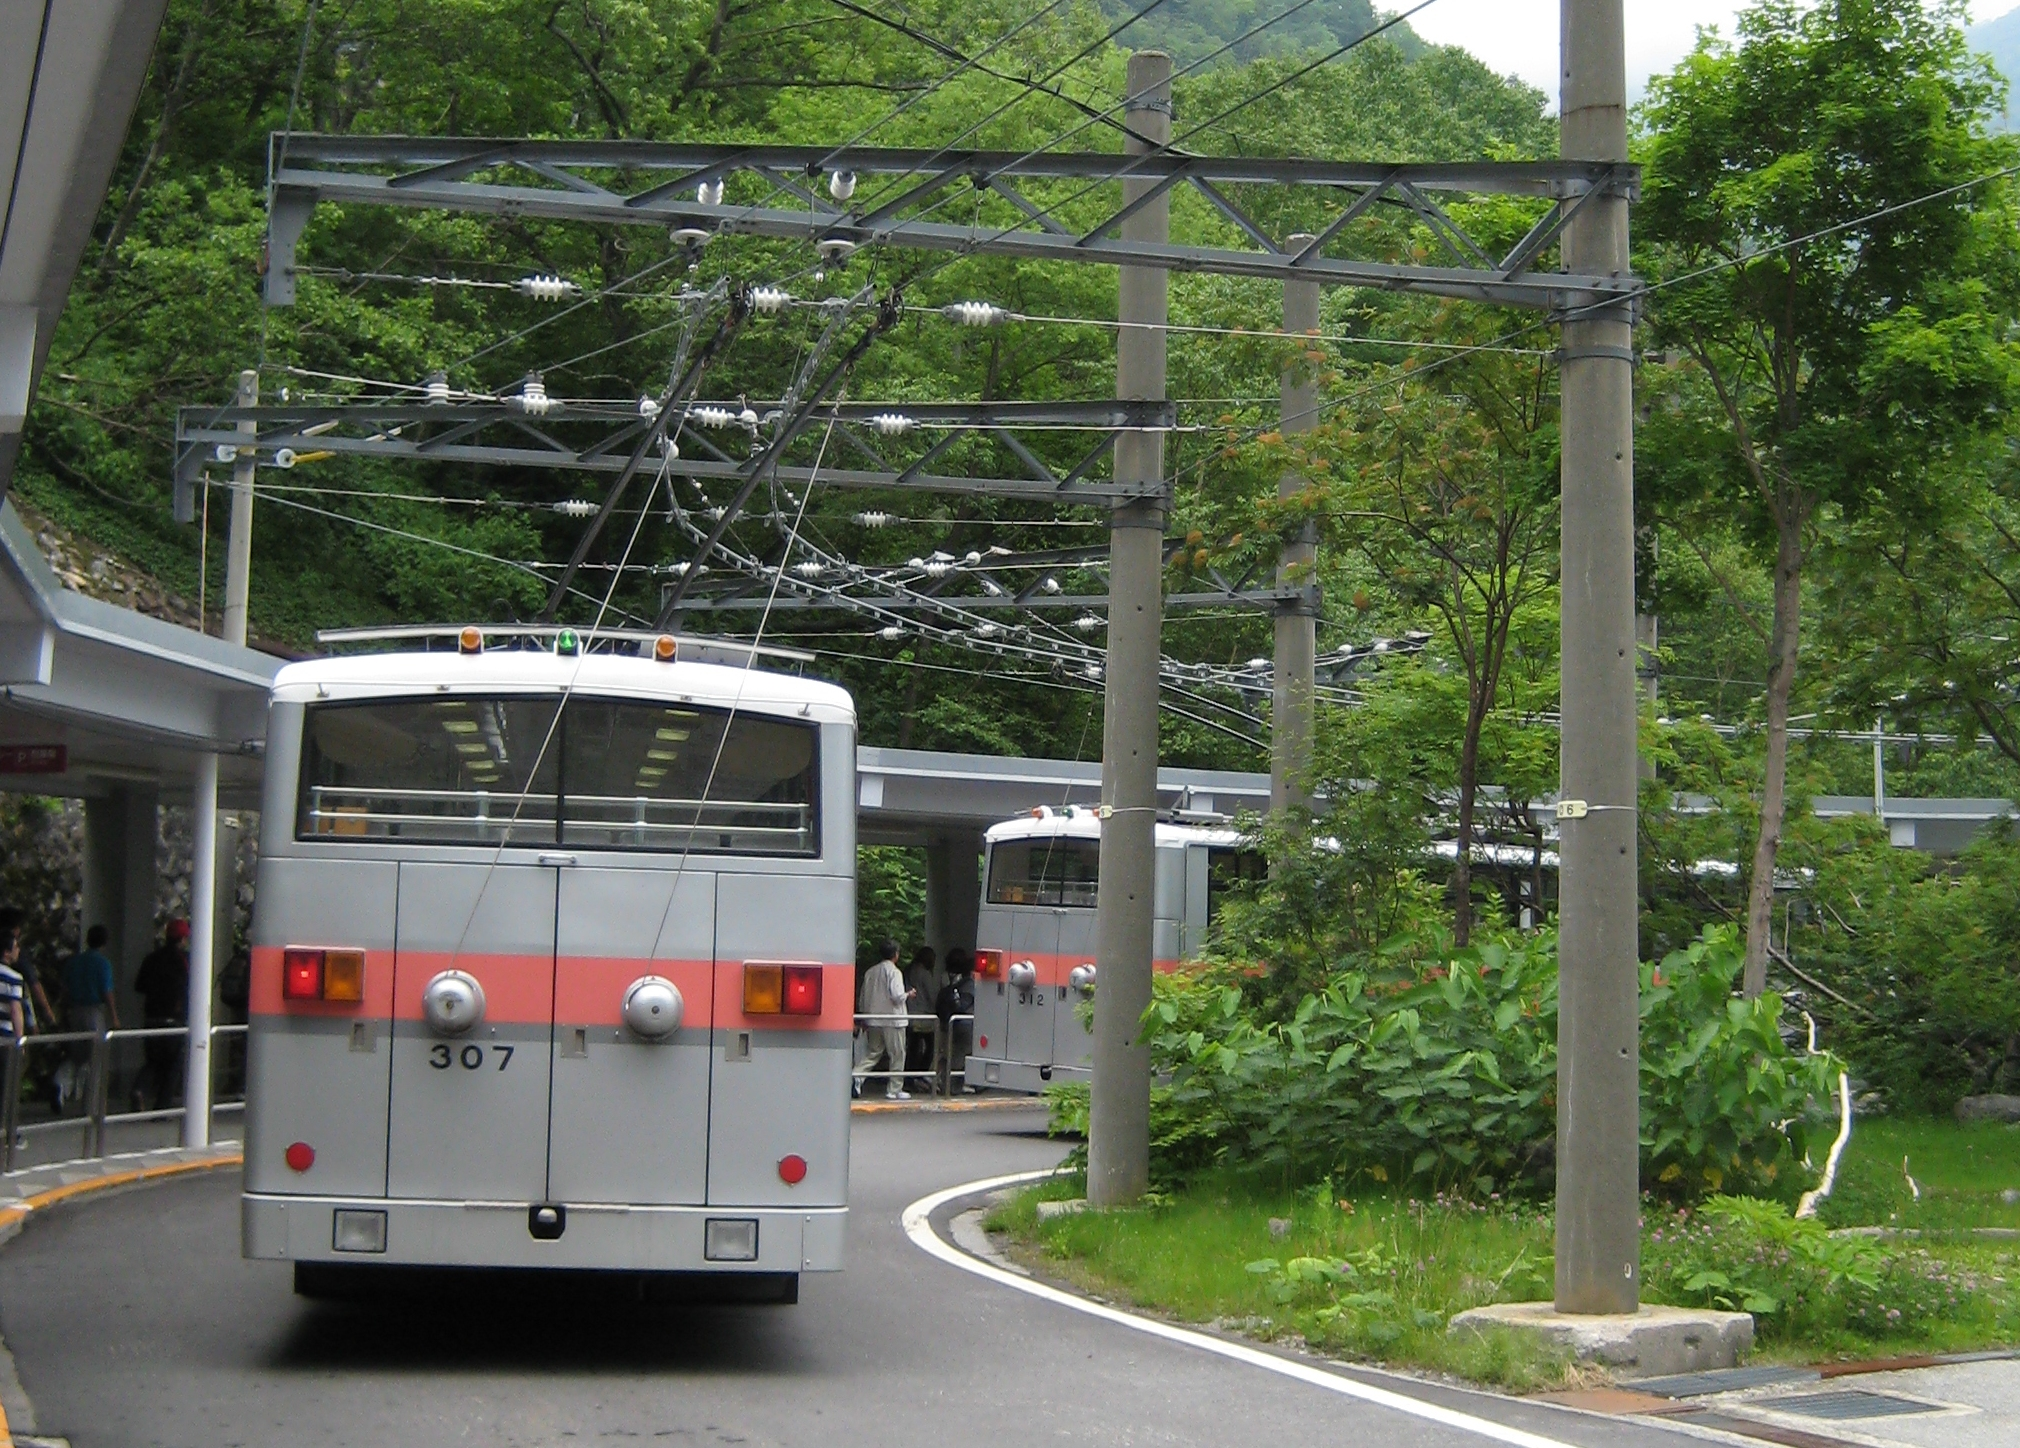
(11,992)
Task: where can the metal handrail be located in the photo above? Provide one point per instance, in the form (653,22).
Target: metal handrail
(890,1020)
(95,1091)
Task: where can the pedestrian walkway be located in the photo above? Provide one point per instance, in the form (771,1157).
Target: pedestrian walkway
(25,1193)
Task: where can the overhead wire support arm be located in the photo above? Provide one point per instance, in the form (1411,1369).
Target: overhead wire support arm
(678,391)
(523,177)
(890,312)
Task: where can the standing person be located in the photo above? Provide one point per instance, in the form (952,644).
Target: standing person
(919,1027)
(883,1004)
(88,1005)
(957,998)
(162,982)
(33,997)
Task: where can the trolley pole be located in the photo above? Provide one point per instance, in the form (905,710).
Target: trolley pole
(1598,1245)
(202,952)
(238,551)
(1296,618)
(1118,1142)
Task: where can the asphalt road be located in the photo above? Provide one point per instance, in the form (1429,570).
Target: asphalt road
(133,1321)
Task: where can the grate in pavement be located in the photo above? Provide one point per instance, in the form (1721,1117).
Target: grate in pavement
(1847,1404)
(1721,1380)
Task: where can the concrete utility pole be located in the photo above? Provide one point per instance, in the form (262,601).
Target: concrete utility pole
(1598,1061)
(238,550)
(1118,1139)
(1297,619)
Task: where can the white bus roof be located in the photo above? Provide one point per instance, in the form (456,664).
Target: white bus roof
(1083,824)
(368,676)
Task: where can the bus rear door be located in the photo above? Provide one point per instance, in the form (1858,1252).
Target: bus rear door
(468,1114)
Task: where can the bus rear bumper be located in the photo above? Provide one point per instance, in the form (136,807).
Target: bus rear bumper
(995,1074)
(593,1237)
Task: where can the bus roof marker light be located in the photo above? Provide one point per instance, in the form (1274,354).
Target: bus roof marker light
(566,643)
(470,640)
(665,648)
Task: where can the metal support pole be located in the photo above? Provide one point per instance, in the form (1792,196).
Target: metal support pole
(1880,770)
(98,1091)
(1297,618)
(1118,1140)
(202,953)
(1598,1161)
(10,1104)
(238,551)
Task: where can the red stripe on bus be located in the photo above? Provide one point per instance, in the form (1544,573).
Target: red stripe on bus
(1053,970)
(518,989)
(265,994)
(838,1002)
(589,989)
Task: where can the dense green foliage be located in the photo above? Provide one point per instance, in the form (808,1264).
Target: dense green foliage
(1437,1069)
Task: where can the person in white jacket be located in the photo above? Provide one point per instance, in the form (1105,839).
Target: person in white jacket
(883,1004)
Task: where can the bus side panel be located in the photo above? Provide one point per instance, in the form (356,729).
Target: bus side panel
(317,1073)
(469,1112)
(780,1084)
(630,1116)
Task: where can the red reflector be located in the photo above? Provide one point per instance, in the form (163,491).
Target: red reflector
(792,1170)
(301,977)
(803,993)
(982,1041)
(301,1156)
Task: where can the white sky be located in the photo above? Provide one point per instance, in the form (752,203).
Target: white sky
(1520,36)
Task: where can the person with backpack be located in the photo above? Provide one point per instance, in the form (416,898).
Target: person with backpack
(162,983)
(956,998)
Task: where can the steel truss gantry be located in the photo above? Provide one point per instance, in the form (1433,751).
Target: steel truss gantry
(645,183)
(598,437)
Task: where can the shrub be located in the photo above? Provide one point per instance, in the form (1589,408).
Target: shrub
(1444,1075)
(1800,1282)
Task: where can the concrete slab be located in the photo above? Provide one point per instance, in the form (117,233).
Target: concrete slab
(1654,1342)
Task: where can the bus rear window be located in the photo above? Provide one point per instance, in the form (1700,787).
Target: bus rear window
(607,774)
(1045,872)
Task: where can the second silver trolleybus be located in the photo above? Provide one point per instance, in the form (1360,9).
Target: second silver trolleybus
(1035,964)
(552,964)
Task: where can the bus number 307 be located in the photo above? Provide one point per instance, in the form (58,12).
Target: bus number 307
(470,1058)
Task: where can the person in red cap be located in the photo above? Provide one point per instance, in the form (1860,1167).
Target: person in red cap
(162,982)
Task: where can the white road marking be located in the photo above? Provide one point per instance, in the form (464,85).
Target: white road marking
(919,1227)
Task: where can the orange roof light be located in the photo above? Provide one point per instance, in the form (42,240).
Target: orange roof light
(471,640)
(664,648)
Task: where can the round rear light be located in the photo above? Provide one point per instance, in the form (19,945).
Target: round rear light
(792,1169)
(301,1156)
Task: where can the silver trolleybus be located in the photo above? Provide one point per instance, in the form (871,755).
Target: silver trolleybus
(1034,958)
(552,964)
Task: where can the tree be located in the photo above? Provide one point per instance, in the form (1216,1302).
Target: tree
(1836,259)
(1450,495)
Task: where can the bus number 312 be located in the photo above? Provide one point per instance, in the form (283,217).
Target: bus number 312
(470,1058)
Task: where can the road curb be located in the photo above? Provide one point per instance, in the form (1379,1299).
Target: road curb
(15,1215)
(872,1108)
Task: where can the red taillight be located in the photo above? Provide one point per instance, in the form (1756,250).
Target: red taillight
(310,973)
(302,975)
(803,990)
(792,1170)
(989,964)
(982,1041)
(301,1156)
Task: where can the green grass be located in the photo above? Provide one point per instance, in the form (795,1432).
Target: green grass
(1378,1278)
(1408,1267)
(1962,1170)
